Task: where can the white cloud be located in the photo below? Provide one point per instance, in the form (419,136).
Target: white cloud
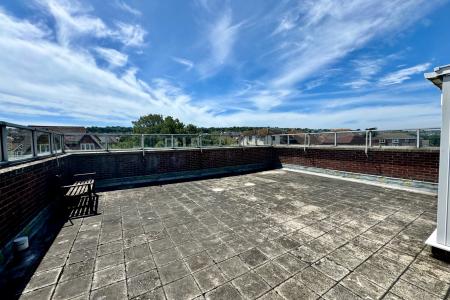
(12,27)
(183,61)
(362,72)
(74,20)
(286,24)
(368,67)
(112,56)
(406,116)
(403,74)
(130,35)
(327,31)
(67,82)
(222,35)
(265,100)
(57,79)
(125,7)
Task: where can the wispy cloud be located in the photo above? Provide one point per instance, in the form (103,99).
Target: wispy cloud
(75,20)
(112,56)
(14,28)
(327,31)
(363,71)
(125,7)
(402,75)
(67,82)
(61,79)
(130,34)
(183,61)
(222,35)
(287,23)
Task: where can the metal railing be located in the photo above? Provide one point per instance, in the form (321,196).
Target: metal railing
(367,139)
(21,143)
(75,142)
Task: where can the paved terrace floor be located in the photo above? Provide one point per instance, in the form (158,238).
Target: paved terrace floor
(268,235)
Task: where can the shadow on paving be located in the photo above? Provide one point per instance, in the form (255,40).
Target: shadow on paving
(267,235)
(21,268)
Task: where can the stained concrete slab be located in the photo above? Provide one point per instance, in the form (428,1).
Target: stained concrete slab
(288,235)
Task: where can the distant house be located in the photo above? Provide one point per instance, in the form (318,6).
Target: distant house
(259,137)
(399,138)
(75,137)
(19,144)
(342,138)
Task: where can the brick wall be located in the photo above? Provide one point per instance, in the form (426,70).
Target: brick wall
(420,164)
(128,164)
(25,190)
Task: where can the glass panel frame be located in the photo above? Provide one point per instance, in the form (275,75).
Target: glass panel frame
(43,143)
(19,143)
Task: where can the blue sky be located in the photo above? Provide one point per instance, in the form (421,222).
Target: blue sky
(318,64)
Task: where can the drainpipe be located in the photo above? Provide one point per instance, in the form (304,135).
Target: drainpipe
(440,238)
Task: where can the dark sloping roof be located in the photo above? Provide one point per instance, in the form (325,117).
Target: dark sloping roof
(62,129)
(395,135)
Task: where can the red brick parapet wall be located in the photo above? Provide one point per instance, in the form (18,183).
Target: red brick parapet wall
(415,164)
(26,189)
(129,164)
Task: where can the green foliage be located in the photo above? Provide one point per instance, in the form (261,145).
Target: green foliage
(154,123)
(109,129)
(126,142)
(158,124)
(434,139)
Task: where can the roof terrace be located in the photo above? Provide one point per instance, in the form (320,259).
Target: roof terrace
(274,234)
(336,215)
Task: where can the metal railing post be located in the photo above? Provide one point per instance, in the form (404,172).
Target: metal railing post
(370,139)
(304,142)
(367,142)
(4,143)
(107,143)
(200,140)
(171,141)
(63,144)
(220,140)
(335,139)
(142,142)
(288,141)
(418,138)
(51,142)
(34,149)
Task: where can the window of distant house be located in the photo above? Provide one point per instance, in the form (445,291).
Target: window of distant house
(382,141)
(87,146)
(44,148)
(395,141)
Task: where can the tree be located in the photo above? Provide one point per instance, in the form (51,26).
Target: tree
(148,124)
(171,126)
(153,124)
(192,129)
